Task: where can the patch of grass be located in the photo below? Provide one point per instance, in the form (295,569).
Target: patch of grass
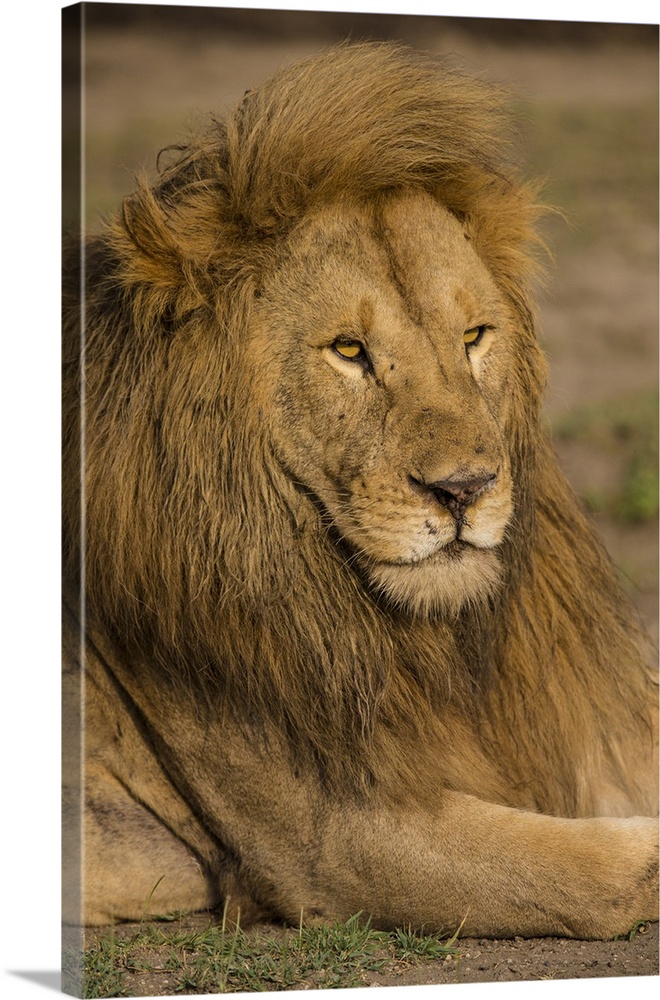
(627,428)
(224,959)
(411,944)
(102,970)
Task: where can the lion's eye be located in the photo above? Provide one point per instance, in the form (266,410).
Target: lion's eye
(350,349)
(473,336)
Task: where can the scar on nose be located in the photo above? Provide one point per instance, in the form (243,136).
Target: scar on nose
(430,528)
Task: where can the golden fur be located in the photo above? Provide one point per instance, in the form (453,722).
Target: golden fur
(303,691)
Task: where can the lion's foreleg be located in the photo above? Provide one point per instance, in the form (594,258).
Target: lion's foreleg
(494,871)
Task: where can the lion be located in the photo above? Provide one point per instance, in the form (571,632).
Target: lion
(347,640)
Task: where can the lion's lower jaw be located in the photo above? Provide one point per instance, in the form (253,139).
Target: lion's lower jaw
(442,584)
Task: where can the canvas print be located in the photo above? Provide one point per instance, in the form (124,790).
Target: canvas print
(359,500)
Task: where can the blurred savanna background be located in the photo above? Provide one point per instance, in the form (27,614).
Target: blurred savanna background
(586,98)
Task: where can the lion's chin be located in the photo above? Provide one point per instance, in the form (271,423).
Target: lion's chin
(456,575)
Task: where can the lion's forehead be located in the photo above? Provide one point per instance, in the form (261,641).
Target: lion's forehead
(407,250)
(431,254)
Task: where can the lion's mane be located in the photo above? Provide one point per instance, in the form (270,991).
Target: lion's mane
(198,558)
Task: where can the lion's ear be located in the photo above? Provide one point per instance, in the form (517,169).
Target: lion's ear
(150,252)
(166,246)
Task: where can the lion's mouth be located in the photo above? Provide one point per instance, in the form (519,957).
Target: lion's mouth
(451,552)
(446,578)
(455,549)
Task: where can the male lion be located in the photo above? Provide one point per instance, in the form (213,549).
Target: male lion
(350,644)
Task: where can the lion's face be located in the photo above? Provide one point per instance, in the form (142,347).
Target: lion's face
(383,356)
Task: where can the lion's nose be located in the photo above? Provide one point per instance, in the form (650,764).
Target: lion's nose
(457,494)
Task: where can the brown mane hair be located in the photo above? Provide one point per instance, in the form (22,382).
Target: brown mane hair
(200,560)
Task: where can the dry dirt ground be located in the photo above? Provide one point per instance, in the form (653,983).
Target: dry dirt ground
(584,98)
(484,961)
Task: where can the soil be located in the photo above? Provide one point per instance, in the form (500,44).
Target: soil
(485,961)
(145,79)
